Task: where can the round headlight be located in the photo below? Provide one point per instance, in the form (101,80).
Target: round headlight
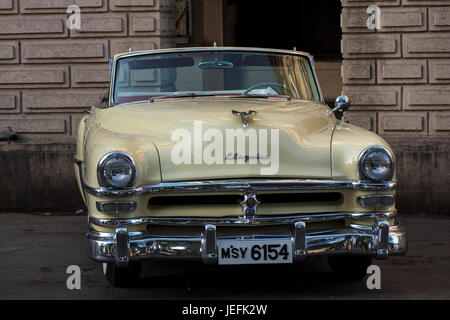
(376,164)
(116,170)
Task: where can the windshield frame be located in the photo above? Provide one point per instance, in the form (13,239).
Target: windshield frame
(310,59)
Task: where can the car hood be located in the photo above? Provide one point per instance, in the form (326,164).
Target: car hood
(194,137)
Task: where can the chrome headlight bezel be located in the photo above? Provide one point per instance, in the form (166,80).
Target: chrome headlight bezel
(362,175)
(103,182)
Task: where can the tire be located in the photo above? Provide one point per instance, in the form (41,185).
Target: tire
(122,277)
(350,267)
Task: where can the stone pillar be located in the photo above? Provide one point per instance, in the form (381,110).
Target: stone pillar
(207,23)
(213,22)
(398,79)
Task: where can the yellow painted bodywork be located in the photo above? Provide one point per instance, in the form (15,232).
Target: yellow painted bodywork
(304,134)
(312,145)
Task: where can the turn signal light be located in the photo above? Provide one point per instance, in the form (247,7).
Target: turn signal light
(116,206)
(379,200)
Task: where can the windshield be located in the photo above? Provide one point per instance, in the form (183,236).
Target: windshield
(221,73)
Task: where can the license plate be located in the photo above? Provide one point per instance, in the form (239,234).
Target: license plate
(254,251)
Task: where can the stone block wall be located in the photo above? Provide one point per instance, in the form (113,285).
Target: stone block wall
(49,75)
(398,79)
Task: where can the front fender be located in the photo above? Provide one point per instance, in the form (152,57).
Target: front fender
(79,155)
(100,141)
(348,142)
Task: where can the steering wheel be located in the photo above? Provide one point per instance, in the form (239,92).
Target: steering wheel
(270,84)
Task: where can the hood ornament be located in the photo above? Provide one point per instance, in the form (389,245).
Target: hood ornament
(249,204)
(244,116)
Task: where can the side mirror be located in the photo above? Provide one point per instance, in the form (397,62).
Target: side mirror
(342,103)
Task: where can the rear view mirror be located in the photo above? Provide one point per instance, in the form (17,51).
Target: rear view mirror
(216,64)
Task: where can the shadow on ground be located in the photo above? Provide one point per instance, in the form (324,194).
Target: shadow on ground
(37,249)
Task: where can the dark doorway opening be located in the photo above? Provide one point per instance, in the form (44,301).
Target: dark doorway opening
(311,26)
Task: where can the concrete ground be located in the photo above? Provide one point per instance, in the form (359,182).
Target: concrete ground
(35,251)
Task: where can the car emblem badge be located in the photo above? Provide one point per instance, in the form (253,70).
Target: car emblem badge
(244,116)
(249,204)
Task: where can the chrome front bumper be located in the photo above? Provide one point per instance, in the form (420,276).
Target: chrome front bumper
(122,246)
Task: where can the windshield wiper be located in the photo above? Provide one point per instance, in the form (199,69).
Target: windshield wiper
(261,96)
(177,96)
(194,95)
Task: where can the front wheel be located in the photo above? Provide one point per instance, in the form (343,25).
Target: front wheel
(122,277)
(350,267)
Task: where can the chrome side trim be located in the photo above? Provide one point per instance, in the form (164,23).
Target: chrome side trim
(316,78)
(235,185)
(203,49)
(226,221)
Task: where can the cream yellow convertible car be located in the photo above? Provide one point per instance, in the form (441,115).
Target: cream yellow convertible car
(231,156)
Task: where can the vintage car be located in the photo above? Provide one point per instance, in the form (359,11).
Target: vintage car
(231,156)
